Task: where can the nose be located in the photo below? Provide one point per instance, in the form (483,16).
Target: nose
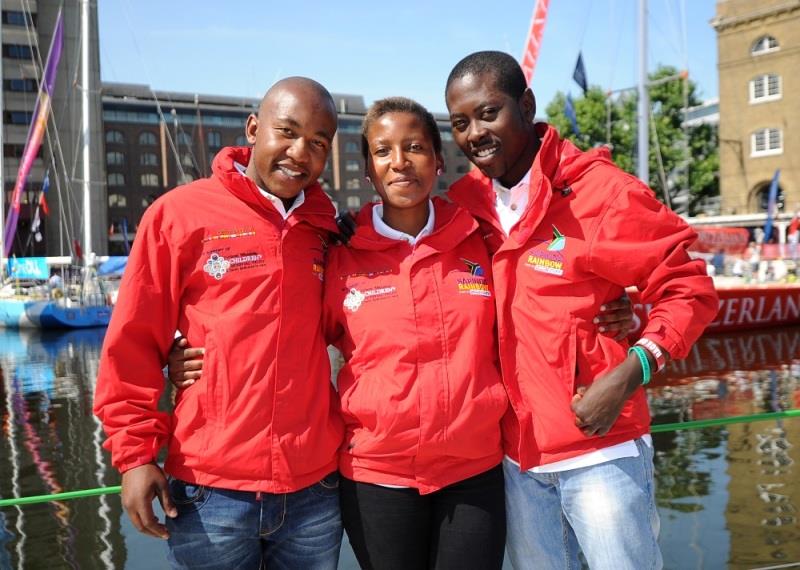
(475,132)
(298,150)
(398,159)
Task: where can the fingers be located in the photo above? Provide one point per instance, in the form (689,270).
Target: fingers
(166,499)
(143,519)
(193,353)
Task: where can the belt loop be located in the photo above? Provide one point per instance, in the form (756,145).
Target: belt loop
(258,495)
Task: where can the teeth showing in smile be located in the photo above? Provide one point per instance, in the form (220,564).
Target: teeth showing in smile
(484,152)
(289,172)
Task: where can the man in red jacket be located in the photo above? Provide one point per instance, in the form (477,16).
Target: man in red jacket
(569,231)
(234,262)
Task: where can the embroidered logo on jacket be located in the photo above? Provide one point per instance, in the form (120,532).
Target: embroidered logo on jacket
(473,268)
(355,298)
(230,234)
(477,283)
(546,257)
(217,266)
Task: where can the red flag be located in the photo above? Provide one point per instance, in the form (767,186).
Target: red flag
(534,39)
(794,225)
(76,245)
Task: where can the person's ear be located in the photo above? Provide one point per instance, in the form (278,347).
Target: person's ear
(527,105)
(251,128)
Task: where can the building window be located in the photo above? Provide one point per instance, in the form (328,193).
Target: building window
(765,88)
(212,154)
(353,184)
(147,138)
(115,137)
(18,117)
(764,44)
(16,151)
(20,85)
(114,158)
(148,159)
(241,140)
(214,139)
(351,146)
(18,51)
(186,159)
(184,139)
(352,166)
(185,178)
(117,201)
(353,202)
(765,142)
(17,18)
(149,179)
(116,179)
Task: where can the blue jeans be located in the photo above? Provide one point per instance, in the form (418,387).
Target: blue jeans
(218,528)
(607,510)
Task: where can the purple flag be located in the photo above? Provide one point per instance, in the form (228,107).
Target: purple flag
(36,132)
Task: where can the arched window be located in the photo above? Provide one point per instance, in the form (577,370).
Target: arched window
(184,139)
(765,88)
(214,139)
(186,178)
(764,44)
(186,159)
(353,184)
(147,138)
(116,179)
(115,137)
(765,142)
(353,202)
(114,158)
(352,166)
(148,159)
(117,201)
(350,146)
(149,179)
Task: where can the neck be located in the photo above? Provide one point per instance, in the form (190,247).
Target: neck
(525,162)
(407,220)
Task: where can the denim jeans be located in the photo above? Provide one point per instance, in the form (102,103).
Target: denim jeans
(607,510)
(218,528)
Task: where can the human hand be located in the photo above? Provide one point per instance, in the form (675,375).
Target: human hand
(346,222)
(616,318)
(184,364)
(139,486)
(598,406)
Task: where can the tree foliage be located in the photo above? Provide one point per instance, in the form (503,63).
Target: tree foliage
(691,152)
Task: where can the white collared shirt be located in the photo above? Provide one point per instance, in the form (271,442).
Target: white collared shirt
(510,203)
(386,231)
(277,202)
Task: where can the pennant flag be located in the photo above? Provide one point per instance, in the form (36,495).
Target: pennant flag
(76,246)
(534,39)
(771,200)
(35,133)
(569,111)
(41,206)
(579,75)
(124,225)
(43,194)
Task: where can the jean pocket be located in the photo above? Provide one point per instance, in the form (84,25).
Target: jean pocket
(188,496)
(327,486)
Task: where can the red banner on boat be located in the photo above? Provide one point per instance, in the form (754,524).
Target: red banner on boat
(534,39)
(712,239)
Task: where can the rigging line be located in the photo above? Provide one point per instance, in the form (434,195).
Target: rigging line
(684,35)
(152,91)
(675,27)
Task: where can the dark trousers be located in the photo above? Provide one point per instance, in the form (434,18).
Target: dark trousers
(462,526)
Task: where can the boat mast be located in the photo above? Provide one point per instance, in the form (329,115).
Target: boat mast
(643,167)
(2,164)
(87,218)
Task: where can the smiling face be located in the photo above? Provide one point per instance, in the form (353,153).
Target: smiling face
(402,161)
(291,137)
(494,130)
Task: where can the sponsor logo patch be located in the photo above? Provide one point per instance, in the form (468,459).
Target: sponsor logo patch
(355,298)
(217,266)
(230,234)
(547,257)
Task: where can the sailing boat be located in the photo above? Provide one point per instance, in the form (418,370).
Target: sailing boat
(34,298)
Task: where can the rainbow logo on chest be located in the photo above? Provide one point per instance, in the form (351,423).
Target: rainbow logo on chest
(547,257)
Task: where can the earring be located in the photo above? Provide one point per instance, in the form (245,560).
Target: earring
(368,179)
(438,172)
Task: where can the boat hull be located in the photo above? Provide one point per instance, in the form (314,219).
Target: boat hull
(21,313)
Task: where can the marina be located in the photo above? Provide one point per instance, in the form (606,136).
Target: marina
(728,496)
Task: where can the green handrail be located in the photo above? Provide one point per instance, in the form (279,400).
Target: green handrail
(658,428)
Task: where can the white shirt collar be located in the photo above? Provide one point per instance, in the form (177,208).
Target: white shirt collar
(510,203)
(277,202)
(386,231)
(503,191)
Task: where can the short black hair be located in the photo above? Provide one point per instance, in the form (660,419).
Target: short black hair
(505,70)
(400,105)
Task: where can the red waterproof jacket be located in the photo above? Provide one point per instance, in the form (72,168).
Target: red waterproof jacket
(215,260)
(589,231)
(421,392)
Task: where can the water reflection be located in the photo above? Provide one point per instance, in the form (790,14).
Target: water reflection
(727,496)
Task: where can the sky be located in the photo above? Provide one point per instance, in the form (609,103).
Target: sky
(381,49)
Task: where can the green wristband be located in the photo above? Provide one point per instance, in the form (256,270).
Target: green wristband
(640,352)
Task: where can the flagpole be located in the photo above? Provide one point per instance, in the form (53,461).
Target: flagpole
(643,166)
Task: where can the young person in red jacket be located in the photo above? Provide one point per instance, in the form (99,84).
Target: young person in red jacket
(235,262)
(409,302)
(569,231)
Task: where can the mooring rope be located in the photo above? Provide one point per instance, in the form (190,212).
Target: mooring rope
(658,428)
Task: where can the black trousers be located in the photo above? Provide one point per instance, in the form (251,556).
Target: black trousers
(462,526)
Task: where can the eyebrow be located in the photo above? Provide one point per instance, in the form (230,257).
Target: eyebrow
(293,123)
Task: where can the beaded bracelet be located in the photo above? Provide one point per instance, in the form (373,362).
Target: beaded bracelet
(642,354)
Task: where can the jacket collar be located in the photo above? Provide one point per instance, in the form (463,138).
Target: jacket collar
(316,210)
